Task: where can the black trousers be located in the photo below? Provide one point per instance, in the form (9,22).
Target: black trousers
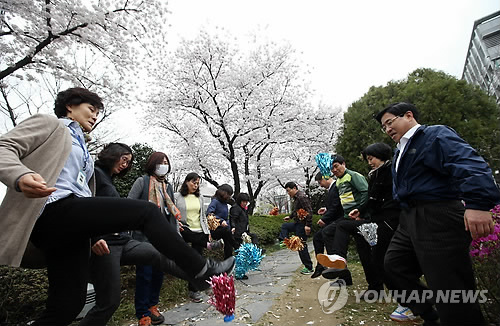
(338,244)
(198,240)
(319,238)
(385,232)
(63,232)
(224,233)
(431,240)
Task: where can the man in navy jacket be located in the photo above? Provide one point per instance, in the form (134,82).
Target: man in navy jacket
(445,190)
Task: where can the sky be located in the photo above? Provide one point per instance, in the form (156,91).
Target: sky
(348,46)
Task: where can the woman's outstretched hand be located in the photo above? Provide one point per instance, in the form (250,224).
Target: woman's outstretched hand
(34,186)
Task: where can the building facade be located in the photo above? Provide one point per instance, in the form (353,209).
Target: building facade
(482,64)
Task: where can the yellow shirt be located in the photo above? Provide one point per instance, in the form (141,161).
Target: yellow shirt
(193,212)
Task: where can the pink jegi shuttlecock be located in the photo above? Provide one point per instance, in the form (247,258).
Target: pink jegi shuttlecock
(223,296)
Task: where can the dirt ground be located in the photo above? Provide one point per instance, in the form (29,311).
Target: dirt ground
(299,305)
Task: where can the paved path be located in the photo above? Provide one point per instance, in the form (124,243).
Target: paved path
(254,297)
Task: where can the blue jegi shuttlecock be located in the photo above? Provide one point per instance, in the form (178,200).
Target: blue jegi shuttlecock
(248,258)
(324,163)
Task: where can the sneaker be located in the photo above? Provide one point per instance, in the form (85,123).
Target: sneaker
(317,272)
(402,314)
(156,317)
(145,321)
(244,277)
(195,296)
(306,271)
(332,261)
(215,245)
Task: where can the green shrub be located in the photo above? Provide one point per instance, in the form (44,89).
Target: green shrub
(268,227)
(23,293)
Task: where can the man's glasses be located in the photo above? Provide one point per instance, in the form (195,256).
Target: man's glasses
(389,123)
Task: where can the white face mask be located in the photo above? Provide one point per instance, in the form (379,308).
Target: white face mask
(161,169)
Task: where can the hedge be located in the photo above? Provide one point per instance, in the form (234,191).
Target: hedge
(268,227)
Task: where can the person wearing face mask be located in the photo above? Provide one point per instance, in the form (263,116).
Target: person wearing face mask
(155,188)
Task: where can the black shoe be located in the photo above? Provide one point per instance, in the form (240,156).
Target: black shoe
(431,323)
(343,274)
(244,277)
(317,272)
(213,267)
(331,273)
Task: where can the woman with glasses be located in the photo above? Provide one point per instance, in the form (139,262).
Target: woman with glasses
(49,210)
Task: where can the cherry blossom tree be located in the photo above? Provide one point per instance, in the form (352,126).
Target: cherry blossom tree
(47,45)
(234,112)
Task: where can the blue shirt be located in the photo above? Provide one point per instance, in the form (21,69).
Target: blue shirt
(219,209)
(78,160)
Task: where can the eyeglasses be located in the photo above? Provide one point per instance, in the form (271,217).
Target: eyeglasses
(389,123)
(124,159)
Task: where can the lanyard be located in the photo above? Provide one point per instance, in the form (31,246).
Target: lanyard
(86,154)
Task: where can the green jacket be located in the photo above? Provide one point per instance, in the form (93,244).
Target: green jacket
(353,191)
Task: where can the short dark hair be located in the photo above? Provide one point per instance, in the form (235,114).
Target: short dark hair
(242,196)
(75,96)
(184,188)
(223,188)
(111,154)
(156,158)
(291,185)
(398,109)
(336,158)
(382,151)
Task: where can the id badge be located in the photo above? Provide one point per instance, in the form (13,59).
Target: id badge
(80,180)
